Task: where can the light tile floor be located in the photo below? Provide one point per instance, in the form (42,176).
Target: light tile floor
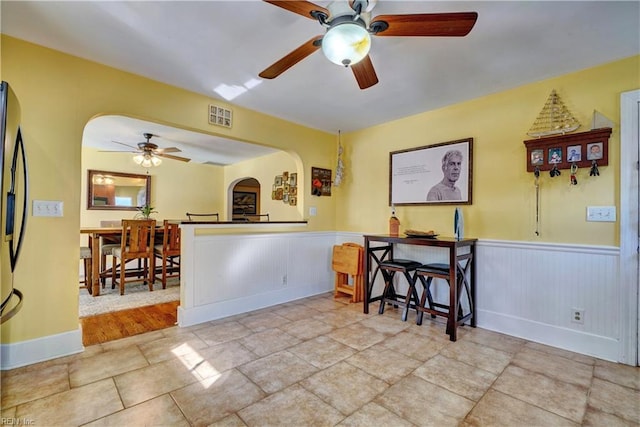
(320,362)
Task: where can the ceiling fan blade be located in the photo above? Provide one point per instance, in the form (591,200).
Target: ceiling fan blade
(303,8)
(428,24)
(297,55)
(131,147)
(365,73)
(169,150)
(169,156)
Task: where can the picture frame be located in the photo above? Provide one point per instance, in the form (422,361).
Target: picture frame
(594,151)
(418,176)
(244,203)
(574,153)
(278,181)
(320,182)
(555,155)
(537,157)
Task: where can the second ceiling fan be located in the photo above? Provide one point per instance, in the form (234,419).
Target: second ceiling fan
(148,153)
(350,27)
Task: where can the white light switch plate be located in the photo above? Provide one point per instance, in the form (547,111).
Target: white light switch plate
(47,208)
(601,213)
(313,211)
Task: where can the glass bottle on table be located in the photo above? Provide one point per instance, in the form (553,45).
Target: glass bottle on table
(394,223)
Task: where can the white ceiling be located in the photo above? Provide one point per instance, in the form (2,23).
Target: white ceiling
(207,45)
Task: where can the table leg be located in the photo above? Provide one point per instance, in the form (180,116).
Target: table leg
(367,277)
(453,294)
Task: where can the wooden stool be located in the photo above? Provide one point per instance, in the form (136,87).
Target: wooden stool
(426,273)
(347,262)
(389,268)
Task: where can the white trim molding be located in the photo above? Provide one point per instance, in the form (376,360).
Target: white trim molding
(28,352)
(629,302)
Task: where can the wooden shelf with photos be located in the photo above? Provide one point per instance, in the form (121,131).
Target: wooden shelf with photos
(581,148)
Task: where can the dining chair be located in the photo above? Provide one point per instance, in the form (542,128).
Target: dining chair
(107,245)
(137,241)
(169,252)
(85,256)
(192,215)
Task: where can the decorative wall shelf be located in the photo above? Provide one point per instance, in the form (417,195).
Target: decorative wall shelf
(564,150)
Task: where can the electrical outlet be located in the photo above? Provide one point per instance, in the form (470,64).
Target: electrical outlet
(577,315)
(284,280)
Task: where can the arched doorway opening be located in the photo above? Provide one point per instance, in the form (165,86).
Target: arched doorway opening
(245,200)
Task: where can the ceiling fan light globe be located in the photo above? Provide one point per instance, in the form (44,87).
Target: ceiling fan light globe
(346,44)
(138,159)
(146,163)
(156,160)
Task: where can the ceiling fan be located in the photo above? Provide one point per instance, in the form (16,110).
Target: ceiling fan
(350,27)
(148,154)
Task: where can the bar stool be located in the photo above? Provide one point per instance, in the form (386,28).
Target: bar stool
(389,268)
(426,273)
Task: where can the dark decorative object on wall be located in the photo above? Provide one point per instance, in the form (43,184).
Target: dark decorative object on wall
(562,151)
(320,182)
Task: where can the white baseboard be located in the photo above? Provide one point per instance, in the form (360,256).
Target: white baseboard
(37,350)
(567,339)
(218,310)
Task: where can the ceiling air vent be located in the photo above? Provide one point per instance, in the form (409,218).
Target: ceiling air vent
(220,116)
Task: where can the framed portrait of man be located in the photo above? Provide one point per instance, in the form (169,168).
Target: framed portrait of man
(433,174)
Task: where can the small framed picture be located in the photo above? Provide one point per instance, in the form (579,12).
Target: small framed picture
(285,176)
(594,151)
(293,201)
(555,155)
(293,179)
(537,157)
(574,153)
(278,181)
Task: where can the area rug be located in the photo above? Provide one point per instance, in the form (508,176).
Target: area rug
(135,295)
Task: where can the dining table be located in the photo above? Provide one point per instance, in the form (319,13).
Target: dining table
(95,234)
(460,254)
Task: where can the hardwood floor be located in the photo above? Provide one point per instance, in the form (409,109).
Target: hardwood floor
(119,324)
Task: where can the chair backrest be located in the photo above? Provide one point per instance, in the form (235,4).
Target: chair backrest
(171,238)
(256,217)
(138,238)
(110,223)
(191,215)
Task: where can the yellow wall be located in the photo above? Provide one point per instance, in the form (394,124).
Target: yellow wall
(58,95)
(265,169)
(199,187)
(503,192)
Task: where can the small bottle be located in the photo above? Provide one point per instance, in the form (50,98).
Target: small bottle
(394,223)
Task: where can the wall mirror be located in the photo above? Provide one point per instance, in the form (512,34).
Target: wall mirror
(117,190)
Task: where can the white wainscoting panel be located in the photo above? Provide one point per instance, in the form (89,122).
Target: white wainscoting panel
(232,274)
(529,290)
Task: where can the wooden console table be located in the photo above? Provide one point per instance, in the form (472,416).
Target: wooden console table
(375,254)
